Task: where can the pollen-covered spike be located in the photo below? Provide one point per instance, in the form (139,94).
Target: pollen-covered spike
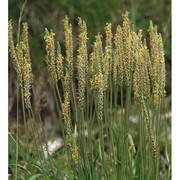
(127,48)
(50,55)
(119,55)
(141,80)
(27,83)
(158,74)
(59,62)
(12,49)
(26,47)
(69,45)
(82,61)
(108,52)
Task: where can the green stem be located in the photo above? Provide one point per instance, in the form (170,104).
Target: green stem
(122,134)
(59,107)
(158,120)
(24,120)
(90,128)
(75,102)
(142,145)
(19,21)
(126,124)
(58,95)
(151,135)
(17,133)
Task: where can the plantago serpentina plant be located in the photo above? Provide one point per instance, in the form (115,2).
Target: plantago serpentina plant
(95,86)
(22,61)
(98,86)
(22,64)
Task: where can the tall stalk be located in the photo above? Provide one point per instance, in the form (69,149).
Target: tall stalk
(19,21)
(17,132)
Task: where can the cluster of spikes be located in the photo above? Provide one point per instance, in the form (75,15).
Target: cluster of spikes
(124,59)
(21,60)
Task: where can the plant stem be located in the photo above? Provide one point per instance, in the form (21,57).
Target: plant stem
(19,21)
(17,132)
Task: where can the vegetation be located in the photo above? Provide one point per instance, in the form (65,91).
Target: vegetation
(97,88)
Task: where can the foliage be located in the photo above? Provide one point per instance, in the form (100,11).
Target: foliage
(120,74)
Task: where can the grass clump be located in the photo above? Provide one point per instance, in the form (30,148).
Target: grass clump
(95,94)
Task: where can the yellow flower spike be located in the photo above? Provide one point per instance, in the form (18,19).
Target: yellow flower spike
(12,49)
(82,61)
(99,53)
(96,57)
(27,72)
(141,80)
(50,55)
(67,119)
(119,55)
(69,45)
(105,69)
(147,58)
(100,99)
(26,48)
(59,62)
(26,42)
(97,85)
(158,74)
(20,60)
(127,48)
(108,53)
(135,46)
(97,82)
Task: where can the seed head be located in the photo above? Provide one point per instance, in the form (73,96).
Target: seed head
(69,45)
(127,48)
(20,62)
(82,61)
(25,42)
(27,83)
(26,48)
(119,56)
(158,74)
(50,55)
(141,80)
(12,48)
(108,52)
(59,60)
(97,82)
